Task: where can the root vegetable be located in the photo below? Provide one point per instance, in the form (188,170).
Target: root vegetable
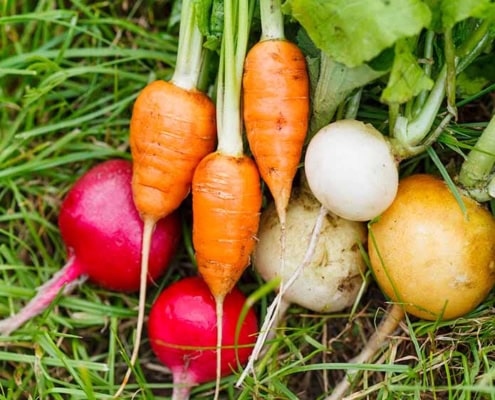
(182,328)
(173,126)
(432,259)
(331,281)
(323,274)
(102,231)
(430,256)
(226,190)
(351,170)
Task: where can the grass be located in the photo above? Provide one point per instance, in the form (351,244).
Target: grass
(69,73)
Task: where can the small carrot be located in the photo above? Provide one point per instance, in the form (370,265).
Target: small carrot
(276,116)
(226,205)
(276,105)
(173,126)
(226,191)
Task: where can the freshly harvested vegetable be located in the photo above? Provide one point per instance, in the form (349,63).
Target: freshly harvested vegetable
(332,279)
(276,105)
(324,267)
(432,256)
(226,192)
(351,170)
(356,178)
(182,329)
(173,126)
(102,232)
(276,116)
(429,254)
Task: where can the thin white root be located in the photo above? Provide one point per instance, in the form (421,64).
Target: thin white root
(388,325)
(219,310)
(272,312)
(149,226)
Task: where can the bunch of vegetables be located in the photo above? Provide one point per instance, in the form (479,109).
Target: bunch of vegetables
(286,174)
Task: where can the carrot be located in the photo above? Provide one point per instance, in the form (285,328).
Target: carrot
(226,191)
(276,116)
(226,205)
(173,126)
(276,105)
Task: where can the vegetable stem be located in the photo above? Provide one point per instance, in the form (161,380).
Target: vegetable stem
(450,60)
(476,170)
(190,51)
(468,51)
(410,133)
(232,56)
(428,57)
(353,105)
(272,21)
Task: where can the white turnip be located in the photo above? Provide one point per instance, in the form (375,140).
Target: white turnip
(102,231)
(182,329)
(351,170)
(333,277)
(324,268)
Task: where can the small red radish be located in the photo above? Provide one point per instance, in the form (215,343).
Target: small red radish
(102,231)
(182,328)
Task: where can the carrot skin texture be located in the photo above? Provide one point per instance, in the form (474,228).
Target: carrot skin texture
(276,112)
(171,130)
(226,211)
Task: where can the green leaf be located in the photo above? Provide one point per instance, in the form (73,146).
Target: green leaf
(335,83)
(353,32)
(202,12)
(209,15)
(407,78)
(447,13)
(477,76)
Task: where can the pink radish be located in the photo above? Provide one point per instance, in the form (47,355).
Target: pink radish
(183,322)
(102,231)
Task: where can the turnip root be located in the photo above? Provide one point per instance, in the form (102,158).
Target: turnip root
(102,231)
(351,170)
(323,274)
(426,254)
(331,281)
(182,328)
(432,259)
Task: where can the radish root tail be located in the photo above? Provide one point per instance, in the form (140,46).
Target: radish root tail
(274,308)
(149,225)
(388,325)
(64,280)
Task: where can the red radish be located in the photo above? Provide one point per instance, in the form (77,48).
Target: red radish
(102,231)
(183,322)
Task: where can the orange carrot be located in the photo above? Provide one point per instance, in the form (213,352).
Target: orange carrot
(172,129)
(173,126)
(226,189)
(226,205)
(276,115)
(276,110)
